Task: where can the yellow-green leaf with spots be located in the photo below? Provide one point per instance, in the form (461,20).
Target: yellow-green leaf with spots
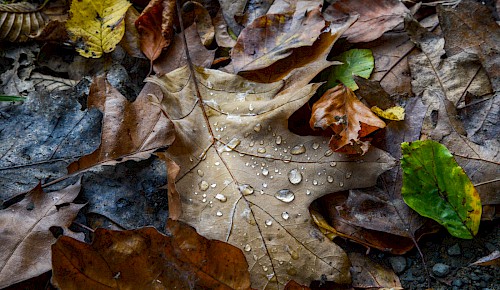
(97,26)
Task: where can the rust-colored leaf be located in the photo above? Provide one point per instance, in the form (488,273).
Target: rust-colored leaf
(340,110)
(292,285)
(274,36)
(491,259)
(130,131)
(18,21)
(147,259)
(25,231)
(155,27)
(375,17)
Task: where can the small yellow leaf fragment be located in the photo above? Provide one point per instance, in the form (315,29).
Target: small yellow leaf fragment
(395,113)
(97,26)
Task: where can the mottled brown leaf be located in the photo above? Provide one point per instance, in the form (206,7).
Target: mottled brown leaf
(246,179)
(340,110)
(147,259)
(25,236)
(130,130)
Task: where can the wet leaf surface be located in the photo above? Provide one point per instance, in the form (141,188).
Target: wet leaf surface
(25,231)
(147,259)
(247,180)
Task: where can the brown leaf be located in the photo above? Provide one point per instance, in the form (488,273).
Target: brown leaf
(274,36)
(25,231)
(292,285)
(221,34)
(442,82)
(174,199)
(175,57)
(130,131)
(20,20)
(491,259)
(131,39)
(147,259)
(246,179)
(340,110)
(204,26)
(375,17)
(370,275)
(155,27)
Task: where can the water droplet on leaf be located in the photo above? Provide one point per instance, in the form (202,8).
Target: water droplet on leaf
(221,197)
(298,149)
(285,215)
(246,189)
(294,176)
(285,195)
(203,185)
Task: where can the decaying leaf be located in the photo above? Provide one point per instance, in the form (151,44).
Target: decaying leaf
(376,17)
(51,83)
(247,180)
(221,35)
(442,83)
(274,36)
(146,259)
(340,110)
(436,187)
(204,26)
(19,21)
(130,131)
(369,275)
(96,26)
(25,231)
(491,259)
(155,27)
(131,39)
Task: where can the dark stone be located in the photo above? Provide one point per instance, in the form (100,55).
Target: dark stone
(454,250)
(440,269)
(398,264)
(457,282)
(474,277)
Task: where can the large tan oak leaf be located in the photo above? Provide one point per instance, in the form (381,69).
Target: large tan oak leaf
(247,180)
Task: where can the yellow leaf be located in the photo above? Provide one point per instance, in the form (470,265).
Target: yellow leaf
(97,26)
(395,113)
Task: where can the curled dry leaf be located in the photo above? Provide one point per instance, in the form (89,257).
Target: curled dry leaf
(130,131)
(204,26)
(96,26)
(491,259)
(52,84)
(375,17)
(366,274)
(221,34)
(147,259)
(131,40)
(19,21)
(156,27)
(25,231)
(350,120)
(274,36)
(246,179)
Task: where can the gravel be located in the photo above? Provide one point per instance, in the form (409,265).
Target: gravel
(441,270)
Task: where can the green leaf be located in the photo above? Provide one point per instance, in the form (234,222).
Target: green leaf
(11,98)
(436,187)
(358,62)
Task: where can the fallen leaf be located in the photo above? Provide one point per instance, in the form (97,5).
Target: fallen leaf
(274,36)
(340,110)
(221,34)
(174,57)
(292,285)
(230,9)
(442,83)
(130,131)
(436,187)
(155,27)
(147,259)
(96,27)
(19,21)
(25,231)
(491,259)
(204,26)
(377,217)
(396,113)
(247,180)
(370,275)
(354,62)
(375,17)
(51,83)
(131,40)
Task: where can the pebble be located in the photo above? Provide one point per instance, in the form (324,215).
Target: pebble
(457,282)
(440,269)
(454,250)
(474,277)
(398,264)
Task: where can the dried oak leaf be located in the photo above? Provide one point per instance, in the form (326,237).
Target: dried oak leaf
(272,37)
(146,259)
(130,130)
(25,231)
(19,21)
(441,83)
(247,180)
(340,110)
(156,27)
(375,17)
(368,274)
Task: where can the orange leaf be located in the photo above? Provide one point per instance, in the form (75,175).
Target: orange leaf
(155,27)
(147,259)
(351,120)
